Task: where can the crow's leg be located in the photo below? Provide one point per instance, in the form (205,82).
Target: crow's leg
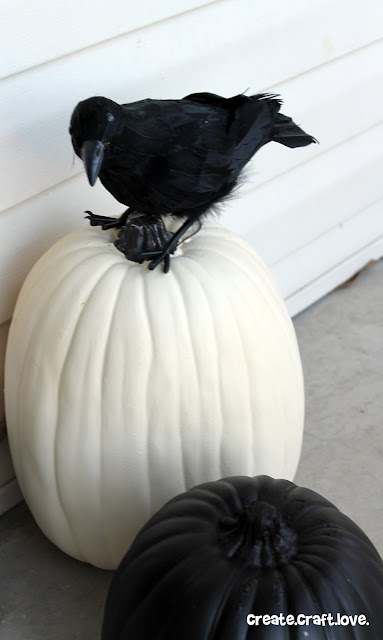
(171,246)
(146,255)
(106,222)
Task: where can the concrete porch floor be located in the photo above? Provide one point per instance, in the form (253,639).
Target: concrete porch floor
(46,595)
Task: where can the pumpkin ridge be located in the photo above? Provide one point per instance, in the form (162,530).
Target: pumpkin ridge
(207,511)
(265,284)
(314,550)
(186,482)
(234,493)
(142,550)
(299,577)
(189,521)
(328,532)
(306,511)
(102,411)
(257,586)
(279,574)
(214,231)
(344,525)
(211,634)
(313,560)
(201,283)
(336,593)
(145,295)
(229,306)
(221,410)
(44,265)
(157,585)
(249,394)
(335,573)
(181,272)
(248,305)
(278,390)
(182,453)
(351,538)
(58,422)
(222,501)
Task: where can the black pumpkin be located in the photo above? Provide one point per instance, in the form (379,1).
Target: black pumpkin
(238,546)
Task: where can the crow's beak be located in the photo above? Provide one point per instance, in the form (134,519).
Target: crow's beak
(92,155)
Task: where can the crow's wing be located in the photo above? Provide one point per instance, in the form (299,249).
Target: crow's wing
(248,119)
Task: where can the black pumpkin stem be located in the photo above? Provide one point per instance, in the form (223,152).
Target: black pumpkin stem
(258,536)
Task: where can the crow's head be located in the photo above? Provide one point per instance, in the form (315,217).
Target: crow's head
(91,127)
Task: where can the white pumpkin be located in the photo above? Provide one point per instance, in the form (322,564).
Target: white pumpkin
(125,386)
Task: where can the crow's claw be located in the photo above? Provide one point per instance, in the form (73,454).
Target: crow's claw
(104,222)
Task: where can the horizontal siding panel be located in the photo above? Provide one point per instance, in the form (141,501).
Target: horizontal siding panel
(235,50)
(50,30)
(291,211)
(41,30)
(336,275)
(328,251)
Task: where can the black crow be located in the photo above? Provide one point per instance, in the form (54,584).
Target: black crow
(172,157)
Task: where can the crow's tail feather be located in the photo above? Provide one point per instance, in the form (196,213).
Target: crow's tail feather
(288,133)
